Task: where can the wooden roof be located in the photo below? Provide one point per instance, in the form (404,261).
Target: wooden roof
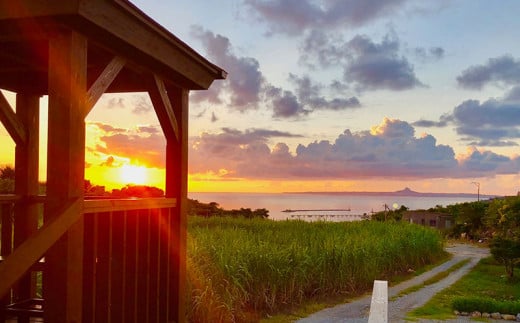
(114,28)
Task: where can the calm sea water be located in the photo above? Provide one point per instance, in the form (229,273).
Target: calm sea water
(313,206)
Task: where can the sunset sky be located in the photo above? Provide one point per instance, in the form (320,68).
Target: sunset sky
(329,95)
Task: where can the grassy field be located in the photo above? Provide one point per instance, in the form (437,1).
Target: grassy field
(486,283)
(242,270)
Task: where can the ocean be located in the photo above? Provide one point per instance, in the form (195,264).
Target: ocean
(322,206)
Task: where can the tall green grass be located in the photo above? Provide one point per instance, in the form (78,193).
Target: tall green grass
(239,270)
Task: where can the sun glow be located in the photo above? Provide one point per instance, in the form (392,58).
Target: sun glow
(131,174)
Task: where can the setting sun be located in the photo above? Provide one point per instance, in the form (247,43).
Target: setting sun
(131,174)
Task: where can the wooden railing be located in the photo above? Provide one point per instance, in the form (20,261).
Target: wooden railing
(127,258)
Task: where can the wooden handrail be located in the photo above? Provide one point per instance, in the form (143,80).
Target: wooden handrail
(9,198)
(96,206)
(32,249)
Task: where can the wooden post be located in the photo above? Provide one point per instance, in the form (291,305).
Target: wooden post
(26,183)
(65,173)
(177,187)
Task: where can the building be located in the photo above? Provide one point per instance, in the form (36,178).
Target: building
(101,260)
(432,219)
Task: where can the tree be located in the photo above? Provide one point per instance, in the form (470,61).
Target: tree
(469,219)
(390,215)
(7,173)
(138,191)
(6,180)
(507,252)
(504,216)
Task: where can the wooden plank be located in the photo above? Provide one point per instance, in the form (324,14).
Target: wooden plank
(164,255)
(103,82)
(65,172)
(132,262)
(117,269)
(163,107)
(102,300)
(6,233)
(11,122)
(177,187)
(89,270)
(153,265)
(143,273)
(95,206)
(6,245)
(32,249)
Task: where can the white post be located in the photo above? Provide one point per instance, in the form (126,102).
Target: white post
(379,304)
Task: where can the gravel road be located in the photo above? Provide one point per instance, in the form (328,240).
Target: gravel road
(358,310)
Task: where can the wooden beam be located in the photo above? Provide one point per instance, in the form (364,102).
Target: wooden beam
(11,122)
(177,187)
(29,252)
(103,82)
(63,278)
(164,109)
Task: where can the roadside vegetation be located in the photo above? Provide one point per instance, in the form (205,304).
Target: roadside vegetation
(242,270)
(495,223)
(486,289)
(494,284)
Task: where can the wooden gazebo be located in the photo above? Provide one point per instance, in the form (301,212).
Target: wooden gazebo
(101,260)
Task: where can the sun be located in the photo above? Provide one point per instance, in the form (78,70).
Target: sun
(131,174)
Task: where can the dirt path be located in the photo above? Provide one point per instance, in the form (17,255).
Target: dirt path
(357,311)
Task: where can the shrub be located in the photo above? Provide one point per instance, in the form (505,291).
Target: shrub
(483,304)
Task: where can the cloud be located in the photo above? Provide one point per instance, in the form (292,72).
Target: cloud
(142,105)
(211,95)
(213,117)
(143,145)
(116,103)
(513,95)
(284,103)
(375,66)
(367,65)
(430,54)
(246,86)
(106,127)
(310,95)
(444,121)
(503,70)
(110,162)
(492,123)
(294,16)
(245,80)
(388,150)
(478,163)
(138,104)
(149,129)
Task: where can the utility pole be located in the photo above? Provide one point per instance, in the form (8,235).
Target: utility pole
(477,184)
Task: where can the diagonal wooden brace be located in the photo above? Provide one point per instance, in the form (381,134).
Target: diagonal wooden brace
(32,249)
(103,82)
(163,107)
(12,124)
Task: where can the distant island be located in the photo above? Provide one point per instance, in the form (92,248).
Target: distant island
(404,192)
